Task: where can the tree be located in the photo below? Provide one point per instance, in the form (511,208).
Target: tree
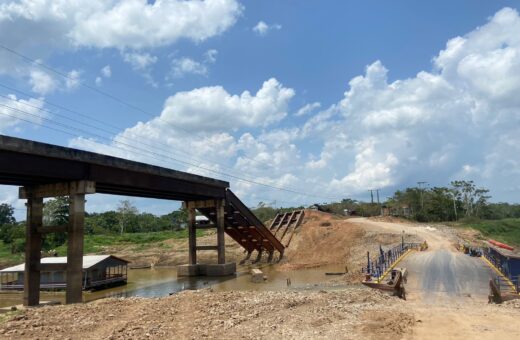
(55,212)
(8,229)
(473,199)
(126,212)
(6,214)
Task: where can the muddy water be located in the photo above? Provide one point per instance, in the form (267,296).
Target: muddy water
(160,282)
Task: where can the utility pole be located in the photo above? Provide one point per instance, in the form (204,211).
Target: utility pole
(371,196)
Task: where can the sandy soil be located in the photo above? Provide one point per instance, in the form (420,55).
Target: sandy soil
(348,312)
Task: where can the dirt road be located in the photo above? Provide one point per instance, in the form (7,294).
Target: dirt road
(447,290)
(441,272)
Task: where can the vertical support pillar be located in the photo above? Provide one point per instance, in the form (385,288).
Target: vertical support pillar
(74,292)
(33,246)
(192,236)
(220,232)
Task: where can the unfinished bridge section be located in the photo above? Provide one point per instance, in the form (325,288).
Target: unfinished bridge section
(43,170)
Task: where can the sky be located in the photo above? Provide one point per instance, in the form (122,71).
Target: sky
(292,102)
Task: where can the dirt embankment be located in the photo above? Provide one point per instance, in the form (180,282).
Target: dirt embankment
(325,239)
(354,313)
(173,251)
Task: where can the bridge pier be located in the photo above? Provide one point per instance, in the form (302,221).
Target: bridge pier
(35,228)
(33,246)
(193,268)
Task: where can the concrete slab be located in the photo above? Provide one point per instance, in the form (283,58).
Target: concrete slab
(188,270)
(224,269)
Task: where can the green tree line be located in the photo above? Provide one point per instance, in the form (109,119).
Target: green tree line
(126,219)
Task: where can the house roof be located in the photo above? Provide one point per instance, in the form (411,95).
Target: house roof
(88,262)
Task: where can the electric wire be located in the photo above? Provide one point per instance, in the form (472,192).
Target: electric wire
(104,93)
(147,153)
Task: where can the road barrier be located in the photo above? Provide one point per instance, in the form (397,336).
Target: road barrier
(378,267)
(500,265)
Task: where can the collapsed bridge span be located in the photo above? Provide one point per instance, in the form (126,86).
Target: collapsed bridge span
(44,170)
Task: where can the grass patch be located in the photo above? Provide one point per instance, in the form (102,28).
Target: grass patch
(6,258)
(97,243)
(506,230)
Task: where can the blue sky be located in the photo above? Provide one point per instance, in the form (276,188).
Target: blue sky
(329,99)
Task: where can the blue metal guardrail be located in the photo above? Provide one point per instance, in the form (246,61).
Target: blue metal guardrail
(377,266)
(502,266)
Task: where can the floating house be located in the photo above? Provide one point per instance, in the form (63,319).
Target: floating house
(99,271)
(202,220)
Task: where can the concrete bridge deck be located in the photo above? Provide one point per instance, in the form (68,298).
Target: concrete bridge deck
(28,163)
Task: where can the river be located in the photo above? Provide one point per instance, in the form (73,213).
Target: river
(162,281)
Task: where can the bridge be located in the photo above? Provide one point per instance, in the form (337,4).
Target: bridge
(44,170)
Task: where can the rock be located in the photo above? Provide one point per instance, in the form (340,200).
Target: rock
(257,276)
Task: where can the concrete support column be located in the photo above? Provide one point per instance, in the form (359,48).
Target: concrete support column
(220,232)
(192,236)
(33,246)
(74,293)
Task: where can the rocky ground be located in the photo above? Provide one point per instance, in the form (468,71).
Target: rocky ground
(351,313)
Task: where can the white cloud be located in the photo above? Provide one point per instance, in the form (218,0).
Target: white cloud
(183,66)
(73,79)
(211,108)
(458,120)
(262,28)
(210,56)
(14,112)
(211,115)
(121,24)
(140,61)
(127,25)
(308,108)
(41,82)
(99,81)
(106,71)
(439,125)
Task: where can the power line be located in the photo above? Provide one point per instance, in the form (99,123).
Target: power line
(154,147)
(148,152)
(186,154)
(106,94)
(136,108)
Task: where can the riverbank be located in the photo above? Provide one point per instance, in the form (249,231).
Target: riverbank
(205,313)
